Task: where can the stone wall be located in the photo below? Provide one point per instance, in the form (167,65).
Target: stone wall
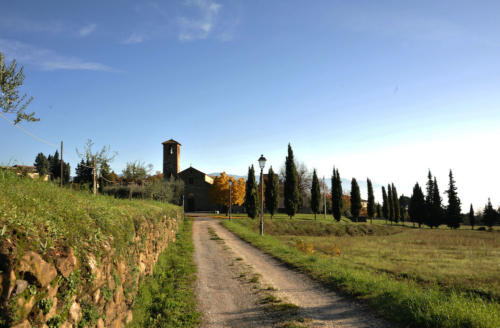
(59,289)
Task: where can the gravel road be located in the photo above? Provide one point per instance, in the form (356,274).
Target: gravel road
(226,301)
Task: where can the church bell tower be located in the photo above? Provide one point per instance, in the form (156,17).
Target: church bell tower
(171,158)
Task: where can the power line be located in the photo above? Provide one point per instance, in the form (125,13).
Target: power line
(29,133)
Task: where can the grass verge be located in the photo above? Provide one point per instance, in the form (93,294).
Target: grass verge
(167,299)
(403,301)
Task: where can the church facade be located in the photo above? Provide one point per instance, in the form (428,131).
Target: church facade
(196,183)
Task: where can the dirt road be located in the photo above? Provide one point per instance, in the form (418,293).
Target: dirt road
(227,301)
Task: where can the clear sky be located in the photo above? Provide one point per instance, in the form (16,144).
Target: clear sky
(380,89)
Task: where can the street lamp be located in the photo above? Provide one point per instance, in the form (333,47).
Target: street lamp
(230,200)
(262,163)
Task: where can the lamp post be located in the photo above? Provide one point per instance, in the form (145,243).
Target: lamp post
(230,200)
(262,163)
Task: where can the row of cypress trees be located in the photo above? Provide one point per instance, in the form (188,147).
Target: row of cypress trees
(422,209)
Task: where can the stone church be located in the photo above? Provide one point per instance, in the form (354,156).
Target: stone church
(196,183)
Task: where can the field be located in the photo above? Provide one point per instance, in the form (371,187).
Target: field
(420,277)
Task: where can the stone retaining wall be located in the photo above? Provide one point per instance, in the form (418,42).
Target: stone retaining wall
(59,289)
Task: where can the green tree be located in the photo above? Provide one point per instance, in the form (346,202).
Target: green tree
(251,194)
(11,79)
(66,172)
(453,211)
(336,195)
(379,211)
(417,208)
(315,194)
(390,203)
(371,200)
(437,213)
(272,192)
(395,202)
(83,172)
(41,164)
(355,199)
(404,202)
(135,171)
(385,204)
(292,196)
(55,166)
(490,216)
(472,218)
(429,200)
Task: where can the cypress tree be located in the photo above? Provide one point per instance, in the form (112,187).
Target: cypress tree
(371,201)
(355,199)
(385,204)
(336,195)
(429,199)
(437,208)
(379,211)
(417,208)
(395,202)
(315,194)
(472,218)
(292,196)
(272,192)
(490,216)
(453,211)
(251,194)
(390,202)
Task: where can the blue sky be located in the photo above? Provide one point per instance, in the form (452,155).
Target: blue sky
(384,89)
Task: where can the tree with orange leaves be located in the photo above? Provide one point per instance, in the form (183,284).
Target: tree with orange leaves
(219,191)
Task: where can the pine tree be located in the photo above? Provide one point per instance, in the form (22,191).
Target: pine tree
(472,218)
(315,194)
(83,172)
(251,194)
(272,192)
(371,200)
(417,208)
(355,199)
(292,196)
(385,204)
(41,164)
(490,216)
(379,211)
(437,208)
(395,203)
(55,166)
(390,202)
(336,195)
(453,211)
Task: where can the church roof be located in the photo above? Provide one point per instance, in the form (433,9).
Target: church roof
(171,141)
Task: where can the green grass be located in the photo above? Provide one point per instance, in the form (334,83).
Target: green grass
(42,217)
(398,297)
(166,299)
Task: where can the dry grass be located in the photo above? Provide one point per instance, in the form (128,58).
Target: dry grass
(461,260)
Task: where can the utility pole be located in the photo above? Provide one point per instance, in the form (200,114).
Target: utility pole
(62,166)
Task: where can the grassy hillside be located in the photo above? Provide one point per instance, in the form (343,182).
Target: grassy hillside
(42,217)
(421,278)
